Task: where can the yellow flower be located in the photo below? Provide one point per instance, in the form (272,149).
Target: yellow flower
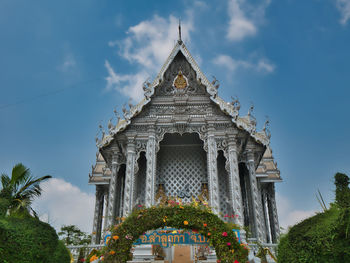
(185,223)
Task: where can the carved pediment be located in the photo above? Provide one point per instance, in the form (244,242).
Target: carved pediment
(180,78)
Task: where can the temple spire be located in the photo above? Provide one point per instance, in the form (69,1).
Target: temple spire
(180,40)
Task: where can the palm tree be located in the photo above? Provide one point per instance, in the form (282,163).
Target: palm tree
(21,189)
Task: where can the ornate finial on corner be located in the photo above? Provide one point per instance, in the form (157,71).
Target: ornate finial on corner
(130,104)
(102,131)
(266,128)
(116,113)
(110,125)
(235,103)
(125,112)
(147,88)
(251,108)
(180,40)
(216,84)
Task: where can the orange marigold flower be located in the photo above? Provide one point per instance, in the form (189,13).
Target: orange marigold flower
(205,225)
(112,252)
(115,237)
(93,258)
(208,234)
(185,223)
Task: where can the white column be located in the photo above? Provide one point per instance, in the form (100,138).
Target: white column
(213,172)
(97,224)
(151,169)
(129,178)
(106,205)
(112,192)
(235,186)
(256,198)
(273,216)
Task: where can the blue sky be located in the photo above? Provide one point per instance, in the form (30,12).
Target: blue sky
(65,65)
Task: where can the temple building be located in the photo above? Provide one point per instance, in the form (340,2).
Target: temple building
(184,140)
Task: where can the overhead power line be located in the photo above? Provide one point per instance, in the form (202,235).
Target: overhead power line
(47,94)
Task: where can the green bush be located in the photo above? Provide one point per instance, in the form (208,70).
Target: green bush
(28,240)
(323,237)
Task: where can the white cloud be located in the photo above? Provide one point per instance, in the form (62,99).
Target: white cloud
(65,204)
(244,19)
(129,85)
(262,65)
(289,216)
(147,45)
(344,8)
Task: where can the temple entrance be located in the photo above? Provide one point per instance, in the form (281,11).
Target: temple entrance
(182,254)
(182,166)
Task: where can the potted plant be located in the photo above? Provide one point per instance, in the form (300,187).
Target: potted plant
(158,252)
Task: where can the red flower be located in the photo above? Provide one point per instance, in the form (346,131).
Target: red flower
(224,234)
(236,261)
(218,261)
(228,243)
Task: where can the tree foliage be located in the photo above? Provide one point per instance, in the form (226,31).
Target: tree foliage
(20,189)
(72,235)
(323,237)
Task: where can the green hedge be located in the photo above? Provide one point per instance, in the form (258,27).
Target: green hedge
(324,237)
(187,217)
(317,239)
(28,240)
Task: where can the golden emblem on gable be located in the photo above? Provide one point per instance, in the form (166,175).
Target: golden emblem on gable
(180,81)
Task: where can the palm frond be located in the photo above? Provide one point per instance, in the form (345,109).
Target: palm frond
(5,180)
(30,183)
(321,201)
(19,172)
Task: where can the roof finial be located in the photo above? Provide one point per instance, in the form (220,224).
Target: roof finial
(180,40)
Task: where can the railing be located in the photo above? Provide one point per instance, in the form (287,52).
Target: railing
(271,252)
(253,247)
(75,250)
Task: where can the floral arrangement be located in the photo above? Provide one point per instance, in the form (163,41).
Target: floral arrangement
(193,216)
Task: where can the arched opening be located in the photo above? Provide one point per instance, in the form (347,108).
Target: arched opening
(140,180)
(120,191)
(188,217)
(246,196)
(182,166)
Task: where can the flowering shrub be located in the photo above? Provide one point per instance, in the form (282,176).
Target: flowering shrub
(189,217)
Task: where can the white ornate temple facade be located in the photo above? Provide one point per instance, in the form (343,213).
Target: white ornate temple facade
(184,140)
